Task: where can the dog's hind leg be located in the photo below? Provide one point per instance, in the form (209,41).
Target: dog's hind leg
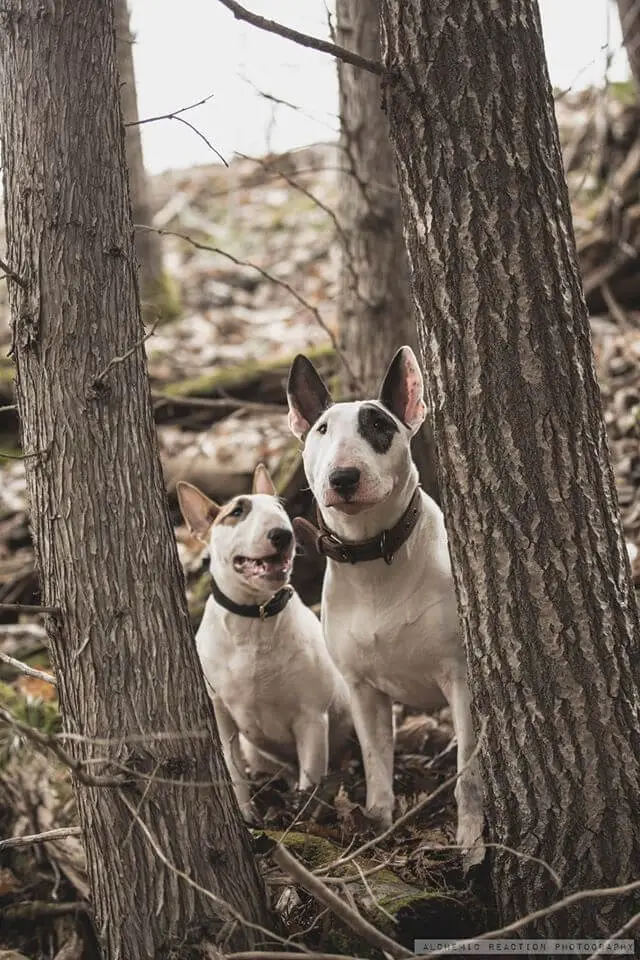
(468,789)
(373,720)
(312,743)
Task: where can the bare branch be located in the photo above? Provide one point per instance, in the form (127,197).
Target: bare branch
(60,833)
(298,872)
(12,275)
(26,669)
(10,406)
(272,279)
(313,43)
(207,403)
(39,909)
(605,949)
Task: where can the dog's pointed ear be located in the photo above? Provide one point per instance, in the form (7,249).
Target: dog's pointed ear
(307,394)
(402,390)
(198,511)
(262,482)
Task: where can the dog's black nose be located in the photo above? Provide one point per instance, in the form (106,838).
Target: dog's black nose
(280,537)
(344,479)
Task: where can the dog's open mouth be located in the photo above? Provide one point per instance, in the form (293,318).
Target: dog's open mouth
(276,566)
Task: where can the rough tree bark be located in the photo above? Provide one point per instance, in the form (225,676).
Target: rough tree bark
(121,643)
(543,581)
(376,308)
(148,246)
(629,13)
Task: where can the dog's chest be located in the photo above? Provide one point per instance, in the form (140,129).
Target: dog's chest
(392,632)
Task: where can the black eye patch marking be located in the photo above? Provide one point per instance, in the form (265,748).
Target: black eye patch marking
(235,512)
(376,427)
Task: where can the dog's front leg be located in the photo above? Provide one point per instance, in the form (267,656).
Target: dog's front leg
(468,789)
(373,720)
(312,745)
(230,738)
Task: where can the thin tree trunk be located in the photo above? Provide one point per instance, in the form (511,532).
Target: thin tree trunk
(377,314)
(629,13)
(547,605)
(148,246)
(121,645)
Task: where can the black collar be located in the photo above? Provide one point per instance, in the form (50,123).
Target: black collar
(259,611)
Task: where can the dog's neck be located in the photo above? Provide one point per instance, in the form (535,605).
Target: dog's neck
(233,587)
(381,517)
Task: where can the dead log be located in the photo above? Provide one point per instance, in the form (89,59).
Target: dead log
(396,907)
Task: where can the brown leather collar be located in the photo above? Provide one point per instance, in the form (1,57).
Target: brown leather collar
(381,547)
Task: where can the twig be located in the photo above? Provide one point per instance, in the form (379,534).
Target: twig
(172,115)
(12,275)
(175,115)
(409,815)
(26,669)
(50,744)
(125,356)
(9,406)
(29,608)
(598,893)
(60,833)
(323,46)
(268,276)
(299,873)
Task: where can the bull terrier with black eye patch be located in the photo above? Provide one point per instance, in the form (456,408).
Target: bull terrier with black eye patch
(279,700)
(389,610)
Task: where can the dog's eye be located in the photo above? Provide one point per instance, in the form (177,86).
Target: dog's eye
(322,428)
(236,512)
(378,424)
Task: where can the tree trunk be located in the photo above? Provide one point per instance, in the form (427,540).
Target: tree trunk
(629,13)
(376,308)
(148,245)
(543,581)
(121,643)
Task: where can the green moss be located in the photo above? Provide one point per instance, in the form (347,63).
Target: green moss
(241,375)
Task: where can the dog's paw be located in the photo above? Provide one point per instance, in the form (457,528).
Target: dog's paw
(380,818)
(250,814)
(469,838)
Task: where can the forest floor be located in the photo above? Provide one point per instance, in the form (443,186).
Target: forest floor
(252,260)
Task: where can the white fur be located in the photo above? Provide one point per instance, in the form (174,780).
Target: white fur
(279,700)
(392,629)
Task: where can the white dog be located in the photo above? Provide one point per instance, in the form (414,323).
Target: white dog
(279,700)
(388,605)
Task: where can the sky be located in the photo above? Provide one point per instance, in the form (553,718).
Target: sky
(181,58)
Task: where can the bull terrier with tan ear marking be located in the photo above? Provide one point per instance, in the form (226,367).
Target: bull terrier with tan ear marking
(279,700)
(388,605)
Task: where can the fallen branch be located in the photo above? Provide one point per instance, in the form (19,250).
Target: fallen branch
(30,608)
(313,43)
(59,833)
(299,873)
(41,909)
(27,670)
